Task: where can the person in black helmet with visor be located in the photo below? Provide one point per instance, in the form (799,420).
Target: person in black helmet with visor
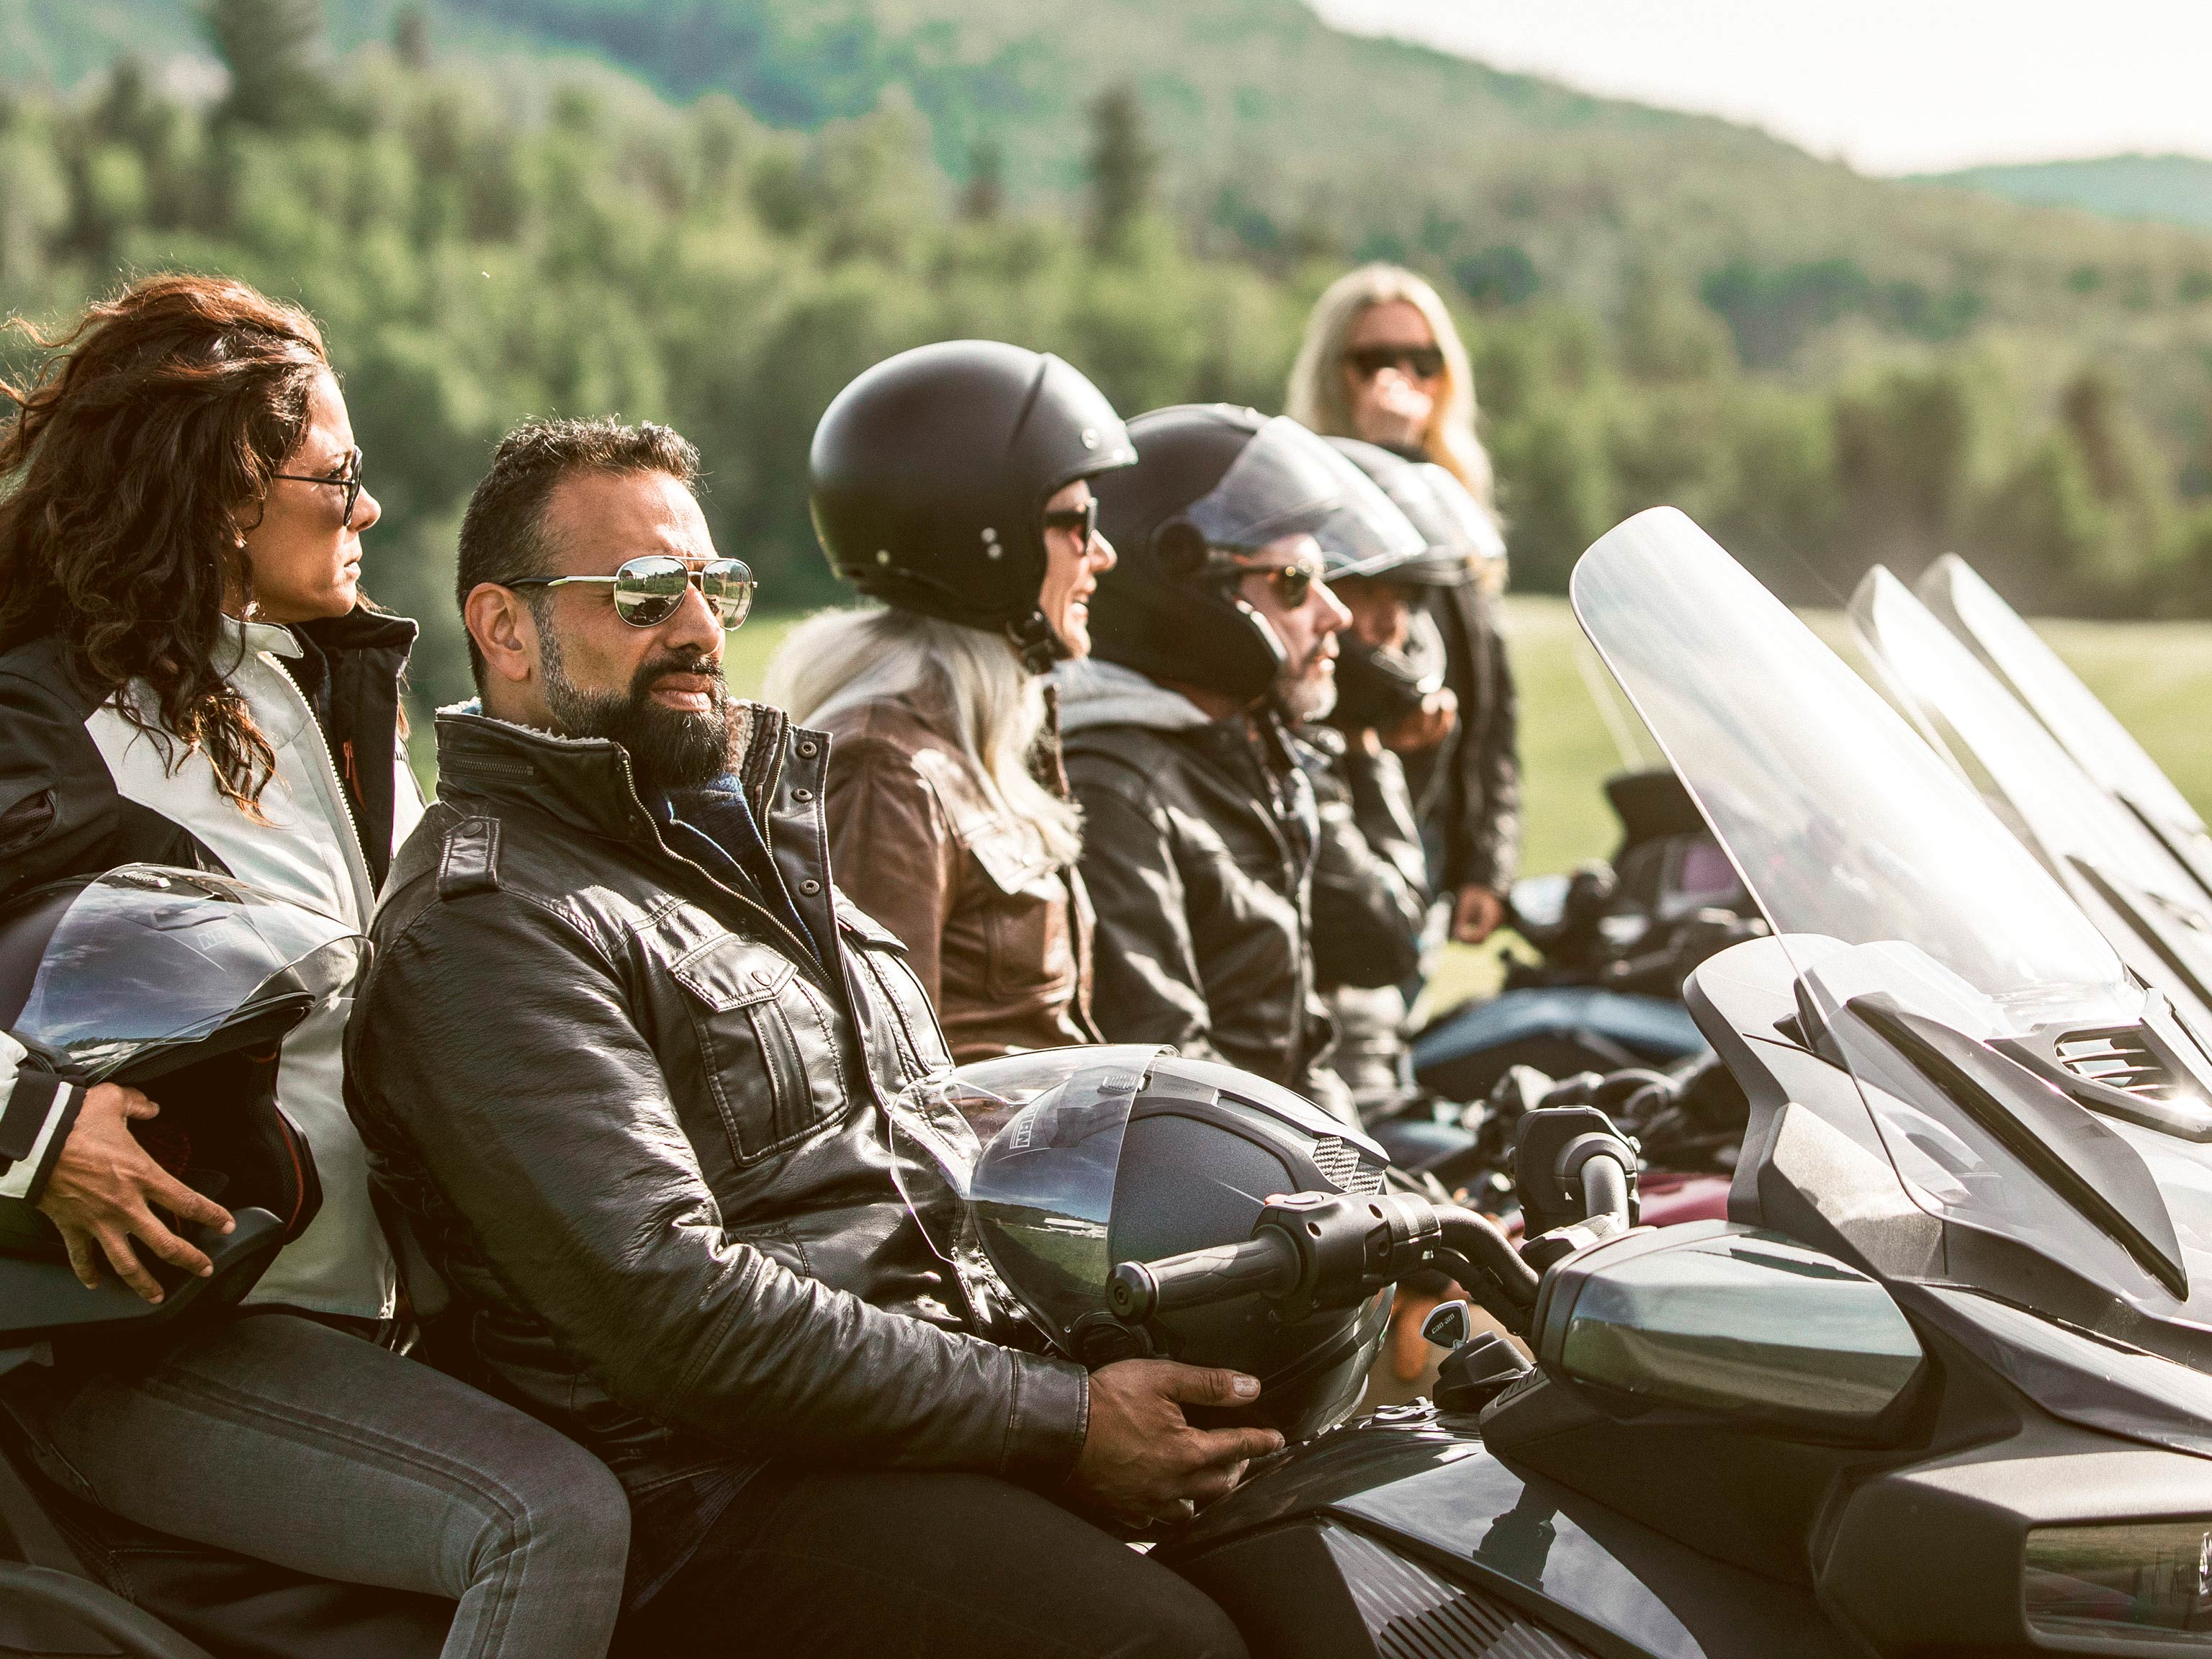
(1213,634)
(953,483)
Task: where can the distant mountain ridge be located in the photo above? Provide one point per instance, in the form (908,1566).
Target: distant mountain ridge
(1279,134)
(2175,190)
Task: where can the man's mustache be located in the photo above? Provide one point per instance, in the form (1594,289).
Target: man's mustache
(641,683)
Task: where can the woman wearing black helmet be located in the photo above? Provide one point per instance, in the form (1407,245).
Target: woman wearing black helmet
(952,483)
(188,678)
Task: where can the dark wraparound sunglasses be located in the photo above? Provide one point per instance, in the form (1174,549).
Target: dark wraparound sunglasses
(347,482)
(1082,520)
(1421,362)
(648,588)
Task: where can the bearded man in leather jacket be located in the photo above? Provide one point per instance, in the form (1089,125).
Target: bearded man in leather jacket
(625,1062)
(1211,638)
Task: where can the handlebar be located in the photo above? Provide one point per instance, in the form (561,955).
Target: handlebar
(1314,1250)
(1265,1266)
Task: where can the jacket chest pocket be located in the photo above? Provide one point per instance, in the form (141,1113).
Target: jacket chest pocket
(767,1042)
(902,1037)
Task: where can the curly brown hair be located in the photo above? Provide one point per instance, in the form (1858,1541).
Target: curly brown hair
(135,464)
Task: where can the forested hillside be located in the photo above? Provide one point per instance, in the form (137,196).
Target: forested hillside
(1823,369)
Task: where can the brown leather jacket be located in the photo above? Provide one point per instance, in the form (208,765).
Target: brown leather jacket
(997,934)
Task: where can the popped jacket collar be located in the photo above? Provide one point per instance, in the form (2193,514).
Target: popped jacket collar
(587,782)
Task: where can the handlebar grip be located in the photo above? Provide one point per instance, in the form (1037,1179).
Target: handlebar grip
(1605,1188)
(1265,1266)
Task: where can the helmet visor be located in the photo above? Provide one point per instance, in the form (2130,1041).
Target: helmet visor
(1286,482)
(148,956)
(1464,543)
(1040,1190)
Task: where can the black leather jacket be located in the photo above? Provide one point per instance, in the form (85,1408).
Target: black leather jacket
(1199,844)
(1371,891)
(1467,790)
(635,1123)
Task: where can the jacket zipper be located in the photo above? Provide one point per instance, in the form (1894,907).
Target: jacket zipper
(356,861)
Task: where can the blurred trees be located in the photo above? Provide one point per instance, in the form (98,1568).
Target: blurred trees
(473,264)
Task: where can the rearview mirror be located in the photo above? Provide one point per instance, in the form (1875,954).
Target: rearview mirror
(1746,1325)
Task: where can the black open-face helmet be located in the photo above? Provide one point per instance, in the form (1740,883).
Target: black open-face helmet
(1214,480)
(183,984)
(1091,1157)
(929,474)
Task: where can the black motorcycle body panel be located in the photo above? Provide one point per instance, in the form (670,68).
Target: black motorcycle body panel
(1404,1534)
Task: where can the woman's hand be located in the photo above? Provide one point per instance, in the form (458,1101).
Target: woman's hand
(103,1190)
(1391,410)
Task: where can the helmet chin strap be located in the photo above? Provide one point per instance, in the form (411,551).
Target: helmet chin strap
(1037,644)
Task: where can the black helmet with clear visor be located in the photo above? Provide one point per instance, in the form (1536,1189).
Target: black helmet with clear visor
(1214,487)
(1093,1156)
(1460,540)
(183,983)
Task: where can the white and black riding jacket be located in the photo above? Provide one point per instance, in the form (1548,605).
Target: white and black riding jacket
(83,789)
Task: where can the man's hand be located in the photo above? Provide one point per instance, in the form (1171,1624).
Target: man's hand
(1392,411)
(103,1189)
(1427,726)
(1140,1458)
(1476,915)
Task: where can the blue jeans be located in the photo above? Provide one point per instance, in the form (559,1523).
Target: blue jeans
(271,1435)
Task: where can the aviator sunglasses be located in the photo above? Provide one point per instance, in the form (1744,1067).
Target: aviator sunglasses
(1420,362)
(648,588)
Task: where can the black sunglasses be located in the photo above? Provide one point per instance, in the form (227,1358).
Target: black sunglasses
(347,482)
(1082,520)
(1421,362)
(1292,581)
(648,588)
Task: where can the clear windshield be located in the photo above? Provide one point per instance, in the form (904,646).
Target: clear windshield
(1288,483)
(2122,876)
(1898,893)
(2100,745)
(1840,820)
(148,956)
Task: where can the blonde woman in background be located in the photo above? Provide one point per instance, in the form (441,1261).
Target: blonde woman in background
(1383,362)
(952,483)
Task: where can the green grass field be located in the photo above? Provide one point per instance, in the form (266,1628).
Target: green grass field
(1576,726)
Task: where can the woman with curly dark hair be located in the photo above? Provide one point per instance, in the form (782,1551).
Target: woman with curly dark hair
(188,676)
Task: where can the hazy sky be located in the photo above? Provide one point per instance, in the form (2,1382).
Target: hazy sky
(1892,86)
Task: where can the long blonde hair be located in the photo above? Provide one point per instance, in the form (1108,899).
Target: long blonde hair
(836,660)
(1317,397)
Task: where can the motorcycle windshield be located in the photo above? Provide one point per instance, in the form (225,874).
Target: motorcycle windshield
(2099,744)
(1046,1132)
(1913,919)
(1841,822)
(148,958)
(1286,482)
(2156,917)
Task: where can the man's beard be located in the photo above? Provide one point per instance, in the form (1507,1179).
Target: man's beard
(1309,695)
(668,749)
